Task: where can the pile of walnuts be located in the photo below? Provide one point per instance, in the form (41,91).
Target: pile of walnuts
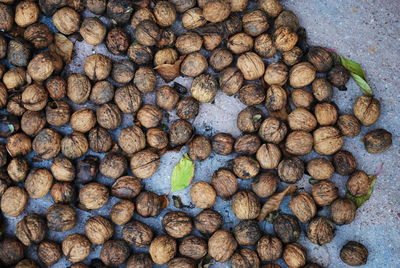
(75,122)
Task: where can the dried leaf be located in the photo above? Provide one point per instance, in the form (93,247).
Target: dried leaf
(63,47)
(183,174)
(169,71)
(274,202)
(358,201)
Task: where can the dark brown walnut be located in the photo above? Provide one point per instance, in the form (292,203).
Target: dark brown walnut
(177,224)
(145,79)
(76,247)
(165,13)
(251,66)
(27,263)
(3,47)
(250,119)
(287,228)
(117,41)
(187,108)
(343,211)
(149,116)
(34,97)
(194,64)
(303,206)
(224,183)
(93,31)
(78,88)
(57,87)
(49,252)
(299,143)
(63,169)
(220,59)
(148,33)
(272,130)
(324,193)
(358,183)
(63,192)
(98,230)
(77,5)
(269,248)
(181,262)
(3,155)
(240,43)
(245,258)
(137,234)
(221,245)
(230,80)
(145,163)
(222,143)
(216,11)
(246,205)
(252,94)
(207,221)
(276,99)
(247,233)
(100,140)
(354,253)
(167,98)
(140,260)
(264,46)
(87,169)
(97,67)
(74,145)
(5,182)
(66,20)
(268,156)
(320,230)
(93,196)
(193,247)
(302,74)
(119,11)
(245,167)
(183,5)
(11,250)
(56,60)
(327,140)
(83,120)
(290,170)
(122,212)
(126,187)
(157,138)
(255,22)
(168,38)
(247,144)
(367,109)
(128,99)
(149,204)
(377,141)
(326,114)
(18,144)
(31,229)
(265,184)
(17,168)
(338,76)
(123,71)
(320,168)
(276,74)
(344,163)
(109,116)
(38,183)
(61,218)
(162,249)
(287,18)
(292,56)
(140,54)
(32,122)
(203,195)
(320,58)
(114,252)
(322,89)
(96,6)
(58,113)
(180,132)
(295,255)
(302,119)
(18,53)
(199,148)
(193,18)
(349,125)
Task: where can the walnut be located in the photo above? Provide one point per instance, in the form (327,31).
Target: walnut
(287,228)
(132,139)
(199,148)
(322,89)
(245,258)
(126,187)
(269,248)
(114,252)
(247,233)
(354,254)
(252,94)
(74,145)
(31,229)
(61,218)
(93,195)
(245,167)
(302,119)
(367,109)
(295,255)
(113,165)
(140,260)
(302,74)
(303,206)
(265,184)
(208,221)
(145,163)
(245,205)
(224,183)
(122,212)
(251,65)
(343,211)
(269,156)
(193,247)
(358,184)
(324,193)
(250,119)
(240,43)
(272,130)
(38,183)
(203,195)
(290,170)
(349,125)
(162,249)
(216,11)
(320,168)
(344,163)
(221,245)
(320,230)
(137,234)
(98,230)
(149,204)
(327,140)
(177,224)
(49,252)
(76,247)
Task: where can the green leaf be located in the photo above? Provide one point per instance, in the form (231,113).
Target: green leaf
(312,181)
(353,67)
(206,262)
(358,201)
(183,174)
(362,84)
(257,117)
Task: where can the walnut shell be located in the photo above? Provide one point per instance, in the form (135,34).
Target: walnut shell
(269,248)
(299,143)
(245,167)
(272,130)
(320,230)
(204,88)
(344,163)
(208,221)
(302,74)
(367,109)
(31,229)
(285,38)
(290,170)
(76,247)
(343,211)
(377,141)
(122,212)
(295,255)
(222,143)
(61,218)
(251,66)
(93,195)
(162,249)
(132,139)
(354,254)
(149,204)
(224,183)
(38,183)
(140,260)
(245,205)
(320,168)
(98,230)
(221,245)
(203,195)
(49,252)
(265,184)
(247,233)
(249,119)
(177,224)
(193,247)
(137,234)
(303,206)
(252,94)
(268,156)
(114,252)
(47,143)
(327,140)
(349,125)
(78,88)
(230,80)
(145,163)
(324,193)
(358,184)
(302,119)
(245,257)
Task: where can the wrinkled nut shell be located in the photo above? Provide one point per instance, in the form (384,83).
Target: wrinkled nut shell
(221,245)
(378,141)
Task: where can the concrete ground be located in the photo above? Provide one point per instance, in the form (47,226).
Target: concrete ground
(367,32)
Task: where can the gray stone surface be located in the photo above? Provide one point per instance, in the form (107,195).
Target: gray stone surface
(366,31)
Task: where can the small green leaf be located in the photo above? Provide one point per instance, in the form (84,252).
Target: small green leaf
(183,174)
(353,67)
(358,201)
(257,117)
(312,181)
(362,84)
(206,262)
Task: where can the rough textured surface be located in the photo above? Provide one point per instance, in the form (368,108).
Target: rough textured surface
(367,32)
